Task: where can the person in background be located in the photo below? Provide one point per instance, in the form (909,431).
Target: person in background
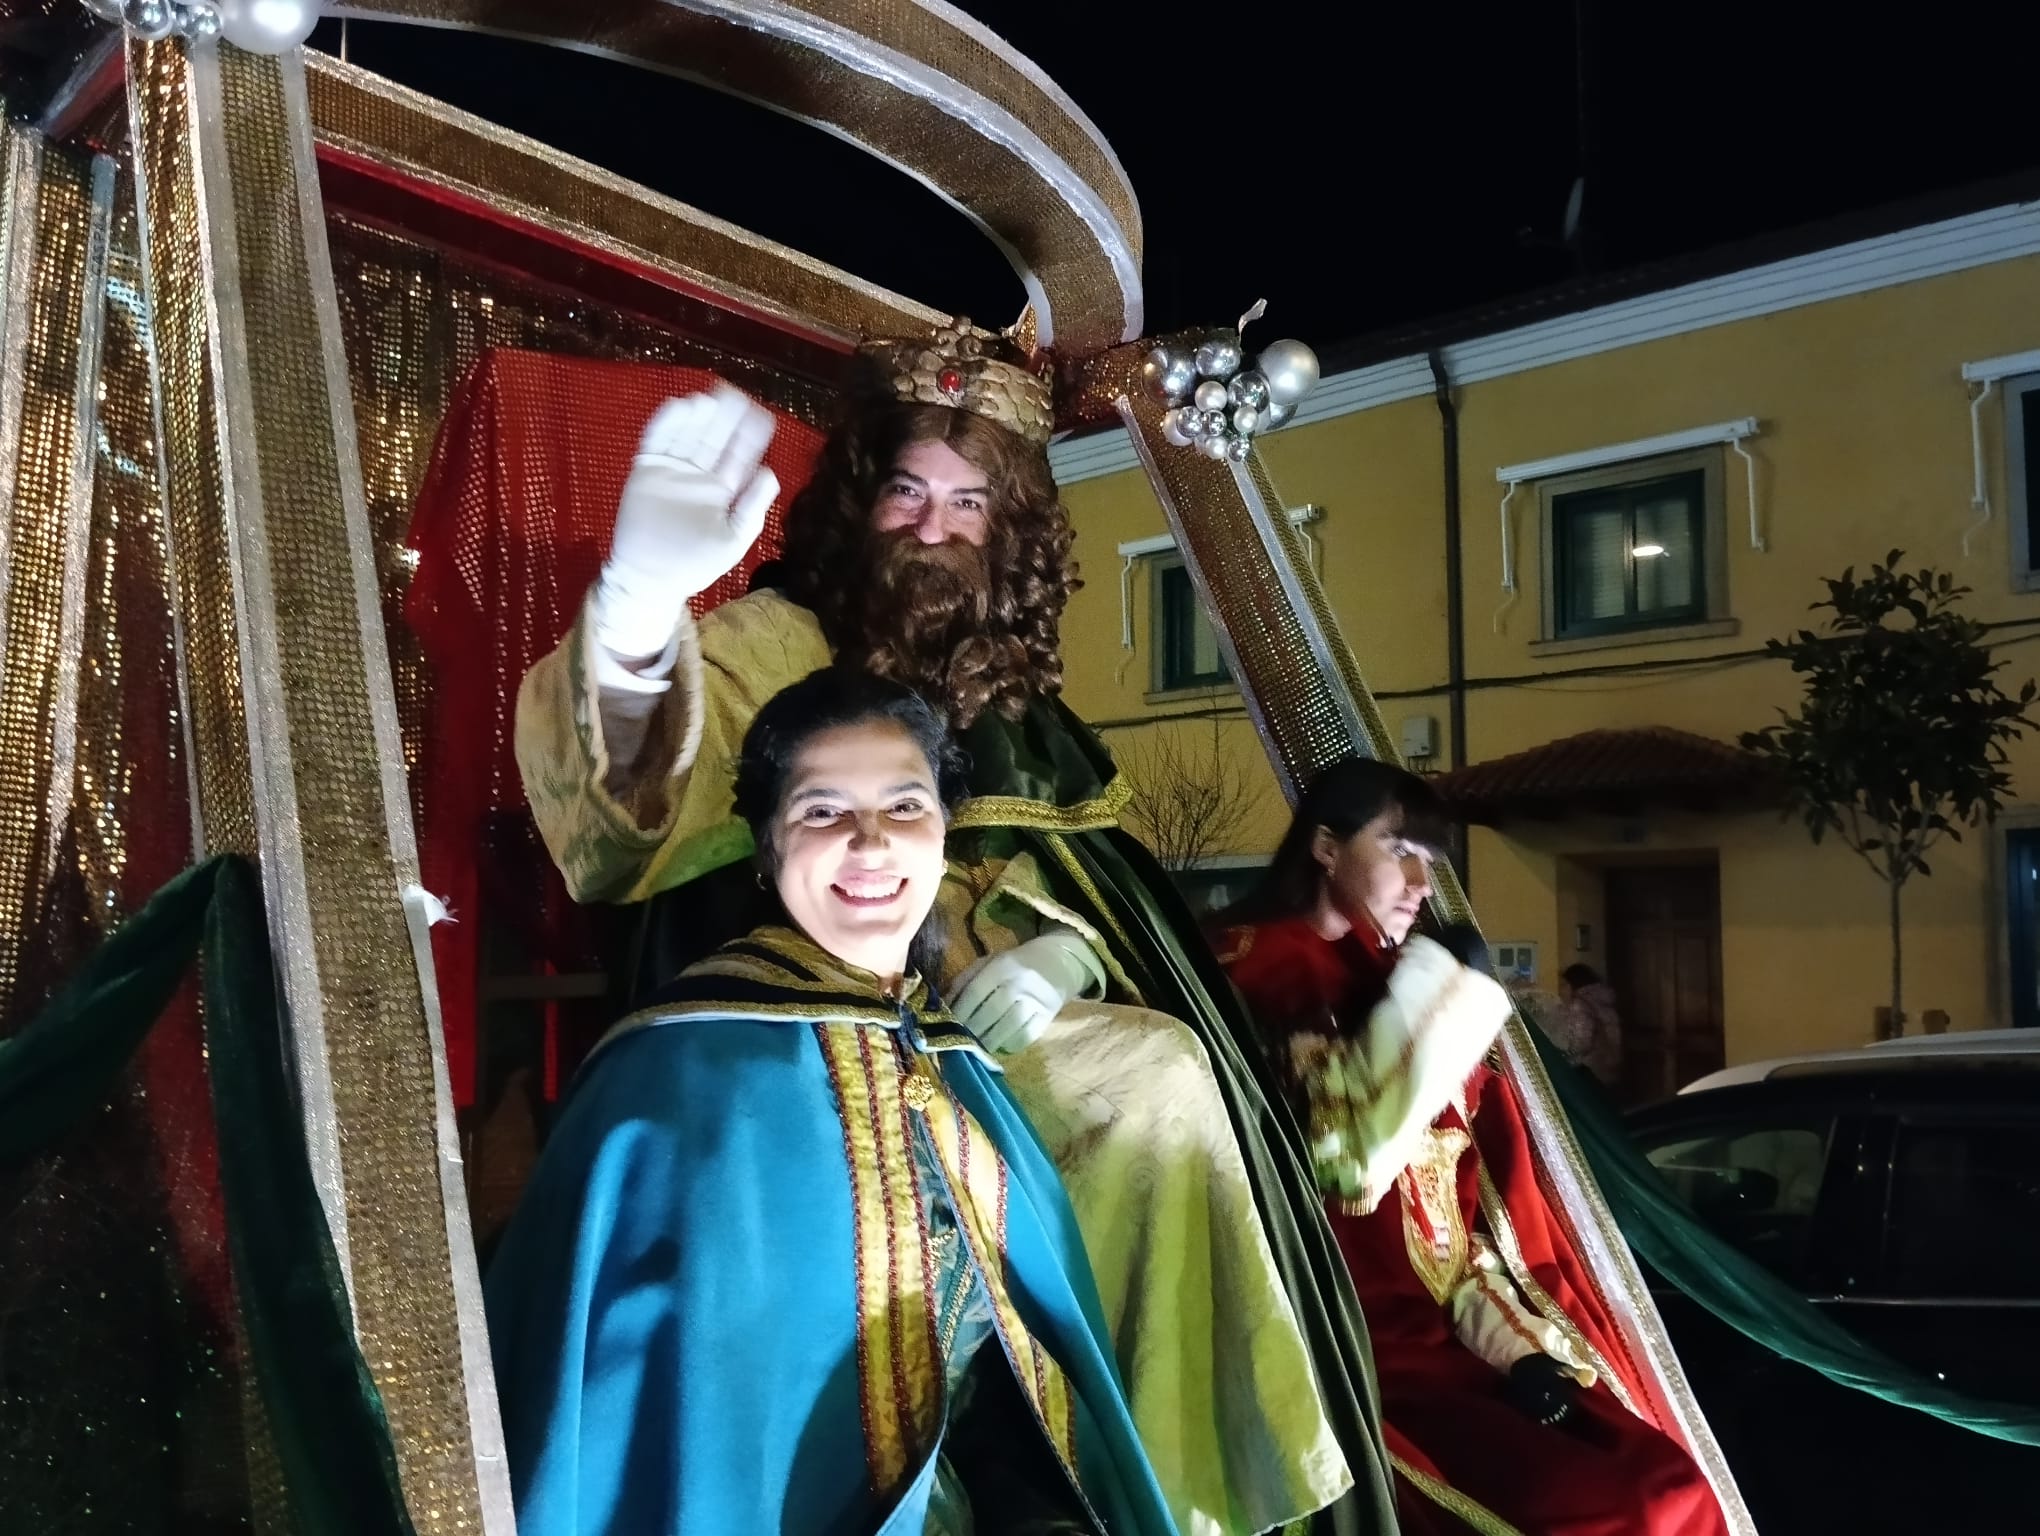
(1593,1029)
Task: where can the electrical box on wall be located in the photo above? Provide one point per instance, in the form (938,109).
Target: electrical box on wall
(1419,738)
(1515,963)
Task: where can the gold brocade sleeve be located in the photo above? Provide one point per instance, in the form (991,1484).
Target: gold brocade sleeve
(993,901)
(626,832)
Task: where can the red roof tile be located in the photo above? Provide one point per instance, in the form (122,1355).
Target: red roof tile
(1610,770)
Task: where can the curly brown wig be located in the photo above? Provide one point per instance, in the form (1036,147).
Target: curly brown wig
(968,631)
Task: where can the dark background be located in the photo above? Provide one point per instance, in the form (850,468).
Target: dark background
(1362,172)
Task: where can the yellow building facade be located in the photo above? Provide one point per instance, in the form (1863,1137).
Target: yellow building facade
(1864,393)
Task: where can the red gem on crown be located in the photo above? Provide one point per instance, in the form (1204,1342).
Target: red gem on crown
(949,381)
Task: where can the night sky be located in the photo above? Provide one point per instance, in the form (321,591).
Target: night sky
(1360,173)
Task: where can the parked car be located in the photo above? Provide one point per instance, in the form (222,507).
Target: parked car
(1897,1187)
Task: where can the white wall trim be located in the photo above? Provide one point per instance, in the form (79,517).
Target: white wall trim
(1995,235)
(1620,453)
(1992,369)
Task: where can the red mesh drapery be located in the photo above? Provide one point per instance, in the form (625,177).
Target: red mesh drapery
(511,527)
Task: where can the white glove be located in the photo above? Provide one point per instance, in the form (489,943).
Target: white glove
(1008,999)
(695,501)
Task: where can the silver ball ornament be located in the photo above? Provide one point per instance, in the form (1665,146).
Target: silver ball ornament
(200,23)
(1246,420)
(1180,425)
(267,26)
(1276,415)
(151,20)
(1237,449)
(1167,374)
(1211,423)
(1218,355)
(1291,369)
(1248,388)
(1210,396)
(1216,446)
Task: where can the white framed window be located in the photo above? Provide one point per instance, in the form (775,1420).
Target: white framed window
(1634,551)
(1181,638)
(2022,477)
(2015,915)
(1516,962)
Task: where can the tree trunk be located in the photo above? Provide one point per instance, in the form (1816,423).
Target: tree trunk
(1897,967)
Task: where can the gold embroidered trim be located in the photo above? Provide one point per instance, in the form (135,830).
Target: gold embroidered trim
(1504,1232)
(1452,1501)
(777,973)
(1430,1184)
(977,1180)
(1002,884)
(1040,816)
(1484,1283)
(898,1369)
(1074,868)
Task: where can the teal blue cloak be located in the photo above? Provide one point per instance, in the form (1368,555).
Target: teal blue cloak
(729,1299)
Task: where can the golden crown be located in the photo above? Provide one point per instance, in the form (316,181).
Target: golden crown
(962,367)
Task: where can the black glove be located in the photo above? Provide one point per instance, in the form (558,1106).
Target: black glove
(1463,943)
(1542,1388)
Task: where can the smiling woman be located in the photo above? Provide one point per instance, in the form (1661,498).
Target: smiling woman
(769,1273)
(844,780)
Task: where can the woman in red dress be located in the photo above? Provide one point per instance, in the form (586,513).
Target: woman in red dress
(1504,1388)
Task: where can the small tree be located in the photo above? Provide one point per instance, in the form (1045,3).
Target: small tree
(1903,728)
(1189,801)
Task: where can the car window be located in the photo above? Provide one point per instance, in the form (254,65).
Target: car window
(1965,1210)
(1757,1186)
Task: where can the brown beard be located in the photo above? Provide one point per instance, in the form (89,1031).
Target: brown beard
(926,620)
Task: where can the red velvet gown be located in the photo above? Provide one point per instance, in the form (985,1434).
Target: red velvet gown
(1449,1424)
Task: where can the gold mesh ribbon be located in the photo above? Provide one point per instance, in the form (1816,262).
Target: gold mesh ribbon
(92,798)
(922,87)
(1307,698)
(59,216)
(294,720)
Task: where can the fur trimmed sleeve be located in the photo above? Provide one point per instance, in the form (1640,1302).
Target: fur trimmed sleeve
(1374,1091)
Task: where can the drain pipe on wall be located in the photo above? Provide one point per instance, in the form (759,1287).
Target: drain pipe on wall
(1455,590)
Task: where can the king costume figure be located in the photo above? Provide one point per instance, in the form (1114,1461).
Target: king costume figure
(930,547)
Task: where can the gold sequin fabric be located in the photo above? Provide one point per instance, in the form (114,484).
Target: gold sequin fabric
(122,1401)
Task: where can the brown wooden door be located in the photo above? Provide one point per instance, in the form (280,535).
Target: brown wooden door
(1664,961)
